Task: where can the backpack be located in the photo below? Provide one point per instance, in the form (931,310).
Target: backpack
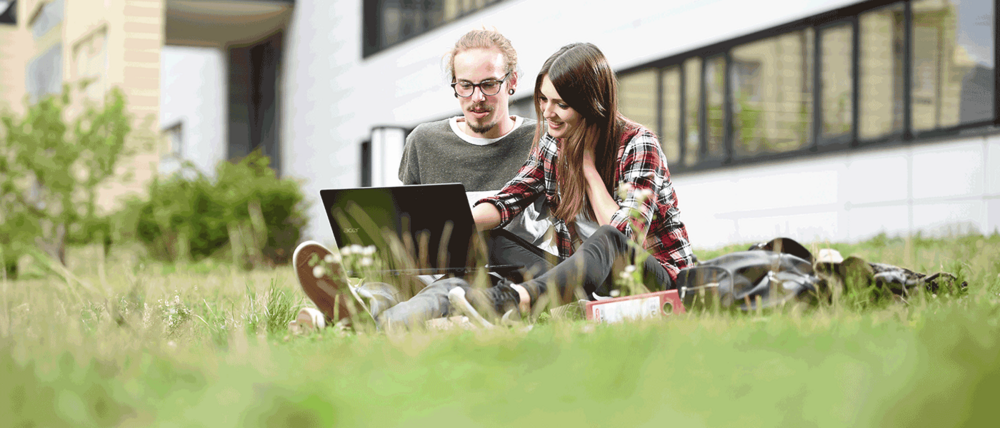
(782,270)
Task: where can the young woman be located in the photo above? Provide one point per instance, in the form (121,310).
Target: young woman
(605,180)
(603,176)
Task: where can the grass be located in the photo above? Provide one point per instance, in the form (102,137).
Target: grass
(126,342)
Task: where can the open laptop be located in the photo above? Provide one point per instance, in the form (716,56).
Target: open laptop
(429,225)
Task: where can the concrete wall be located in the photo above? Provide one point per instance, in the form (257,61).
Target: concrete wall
(333,98)
(193,93)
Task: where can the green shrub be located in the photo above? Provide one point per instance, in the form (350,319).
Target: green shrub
(245,212)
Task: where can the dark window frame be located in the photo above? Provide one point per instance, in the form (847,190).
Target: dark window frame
(9,16)
(372,23)
(817,23)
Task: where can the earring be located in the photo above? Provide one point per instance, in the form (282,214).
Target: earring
(510,91)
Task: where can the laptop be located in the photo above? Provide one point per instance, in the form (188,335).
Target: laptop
(423,229)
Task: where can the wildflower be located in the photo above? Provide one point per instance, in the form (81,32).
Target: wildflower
(629,268)
(369,250)
(367,261)
(356,249)
(318,271)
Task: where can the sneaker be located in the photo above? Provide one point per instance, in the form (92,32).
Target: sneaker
(327,286)
(308,320)
(377,296)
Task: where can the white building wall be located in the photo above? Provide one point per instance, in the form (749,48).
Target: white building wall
(193,93)
(936,188)
(333,98)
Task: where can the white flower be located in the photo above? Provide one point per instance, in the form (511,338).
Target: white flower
(318,271)
(629,268)
(367,261)
(369,250)
(346,251)
(356,249)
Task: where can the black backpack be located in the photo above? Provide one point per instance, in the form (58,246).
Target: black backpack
(782,270)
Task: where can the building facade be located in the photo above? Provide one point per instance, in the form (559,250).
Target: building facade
(903,141)
(820,120)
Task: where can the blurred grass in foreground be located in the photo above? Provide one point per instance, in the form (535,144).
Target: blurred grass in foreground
(134,343)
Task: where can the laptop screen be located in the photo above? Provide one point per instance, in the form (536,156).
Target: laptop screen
(427,227)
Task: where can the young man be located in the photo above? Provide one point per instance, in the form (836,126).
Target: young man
(482,149)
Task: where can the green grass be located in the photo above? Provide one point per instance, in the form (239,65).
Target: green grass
(127,342)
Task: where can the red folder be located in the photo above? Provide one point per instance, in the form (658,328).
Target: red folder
(647,305)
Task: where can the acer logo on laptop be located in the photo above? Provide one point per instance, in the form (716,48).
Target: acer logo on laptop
(351,230)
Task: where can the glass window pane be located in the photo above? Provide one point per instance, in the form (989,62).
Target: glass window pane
(48,17)
(44,74)
(836,81)
(670,138)
(715,73)
(692,102)
(953,63)
(637,97)
(772,94)
(880,68)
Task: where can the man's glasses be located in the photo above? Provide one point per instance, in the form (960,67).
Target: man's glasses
(488,87)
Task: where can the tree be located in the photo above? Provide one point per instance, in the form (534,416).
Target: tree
(51,171)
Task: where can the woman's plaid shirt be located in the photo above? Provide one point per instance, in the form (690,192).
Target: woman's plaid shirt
(641,165)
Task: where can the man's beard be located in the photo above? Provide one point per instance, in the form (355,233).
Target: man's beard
(484,128)
(481,129)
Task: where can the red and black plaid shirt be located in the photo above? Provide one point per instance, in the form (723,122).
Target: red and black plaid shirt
(642,165)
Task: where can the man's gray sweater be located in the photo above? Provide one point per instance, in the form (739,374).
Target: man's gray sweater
(434,153)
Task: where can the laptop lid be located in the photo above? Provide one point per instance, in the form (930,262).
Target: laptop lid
(426,228)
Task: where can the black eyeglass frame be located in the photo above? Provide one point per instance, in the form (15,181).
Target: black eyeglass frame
(477,85)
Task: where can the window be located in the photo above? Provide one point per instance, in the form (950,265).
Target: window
(48,18)
(390,22)
(880,65)
(366,164)
(772,94)
(90,62)
(637,97)
(670,130)
(836,82)
(715,114)
(44,75)
(953,64)
(8,12)
(855,76)
(174,140)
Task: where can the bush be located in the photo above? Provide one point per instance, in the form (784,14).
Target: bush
(246,211)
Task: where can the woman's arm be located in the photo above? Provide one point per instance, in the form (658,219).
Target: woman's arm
(519,192)
(601,201)
(642,175)
(487,216)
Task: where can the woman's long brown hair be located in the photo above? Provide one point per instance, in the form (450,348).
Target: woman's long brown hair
(585,81)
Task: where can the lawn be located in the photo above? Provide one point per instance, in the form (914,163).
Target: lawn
(124,341)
